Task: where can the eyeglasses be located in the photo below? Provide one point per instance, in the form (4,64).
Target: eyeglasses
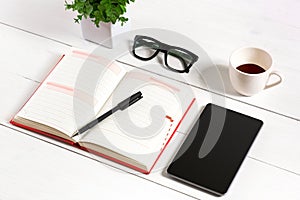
(176,58)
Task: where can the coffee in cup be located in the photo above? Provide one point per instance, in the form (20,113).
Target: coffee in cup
(250,70)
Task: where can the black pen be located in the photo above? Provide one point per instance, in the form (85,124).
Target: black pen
(121,106)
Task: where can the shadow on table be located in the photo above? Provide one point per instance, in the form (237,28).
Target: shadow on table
(217,80)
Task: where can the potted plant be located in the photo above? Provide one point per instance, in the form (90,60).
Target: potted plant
(100,20)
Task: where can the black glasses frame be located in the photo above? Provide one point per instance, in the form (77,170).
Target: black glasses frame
(165,48)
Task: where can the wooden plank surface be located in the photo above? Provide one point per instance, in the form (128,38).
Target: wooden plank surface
(31,45)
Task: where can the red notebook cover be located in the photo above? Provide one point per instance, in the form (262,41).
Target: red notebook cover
(90,150)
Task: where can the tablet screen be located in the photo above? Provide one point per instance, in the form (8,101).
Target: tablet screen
(214,149)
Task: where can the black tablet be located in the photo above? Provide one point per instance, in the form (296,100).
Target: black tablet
(215,148)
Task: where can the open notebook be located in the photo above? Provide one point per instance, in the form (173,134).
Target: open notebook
(81,87)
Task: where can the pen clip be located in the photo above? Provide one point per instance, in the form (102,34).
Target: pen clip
(129,101)
(135,100)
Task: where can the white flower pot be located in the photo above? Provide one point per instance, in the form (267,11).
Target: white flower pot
(105,34)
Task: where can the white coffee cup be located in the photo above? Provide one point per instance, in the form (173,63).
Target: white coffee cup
(246,80)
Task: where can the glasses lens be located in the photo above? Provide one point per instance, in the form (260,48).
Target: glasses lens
(178,60)
(145,48)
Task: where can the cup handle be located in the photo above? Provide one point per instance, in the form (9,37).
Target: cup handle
(274,73)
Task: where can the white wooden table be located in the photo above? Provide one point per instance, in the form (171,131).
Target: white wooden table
(33,34)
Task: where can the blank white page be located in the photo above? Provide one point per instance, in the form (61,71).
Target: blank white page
(67,93)
(145,127)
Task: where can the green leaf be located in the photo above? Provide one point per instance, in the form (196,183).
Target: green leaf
(99,10)
(88,9)
(123,8)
